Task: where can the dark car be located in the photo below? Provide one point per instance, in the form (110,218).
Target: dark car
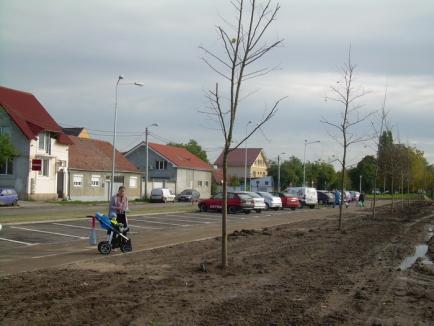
(8,196)
(237,201)
(188,195)
(325,197)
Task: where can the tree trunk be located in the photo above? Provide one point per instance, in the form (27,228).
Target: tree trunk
(224,212)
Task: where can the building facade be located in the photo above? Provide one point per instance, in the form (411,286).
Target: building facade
(172,167)
(39,170)
(90,168)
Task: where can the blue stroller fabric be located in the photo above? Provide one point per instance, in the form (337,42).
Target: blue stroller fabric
(104,222)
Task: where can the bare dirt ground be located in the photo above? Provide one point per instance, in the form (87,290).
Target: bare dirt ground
(305,273)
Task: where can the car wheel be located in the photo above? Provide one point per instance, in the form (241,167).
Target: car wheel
(15,203)
(104,247)
(232,210)
(203,208)
(292,208)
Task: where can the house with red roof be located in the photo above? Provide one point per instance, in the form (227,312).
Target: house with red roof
(39,171)
(239,158)
(90,168)
(172,167)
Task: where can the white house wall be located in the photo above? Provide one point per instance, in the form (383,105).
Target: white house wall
(194,179)
(45,187)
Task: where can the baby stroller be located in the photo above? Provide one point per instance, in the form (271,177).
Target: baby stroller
(116,235)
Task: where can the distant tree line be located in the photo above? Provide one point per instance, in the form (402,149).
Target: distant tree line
(402,168)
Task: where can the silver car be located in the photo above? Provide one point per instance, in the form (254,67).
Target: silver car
(271,201)
(258,201)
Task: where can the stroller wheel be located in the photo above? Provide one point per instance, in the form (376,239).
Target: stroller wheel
(126,246)
(104,247)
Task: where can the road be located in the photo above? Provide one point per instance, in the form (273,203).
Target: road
(31,246)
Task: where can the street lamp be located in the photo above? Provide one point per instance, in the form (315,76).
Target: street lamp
(304,159)
(245,159)
(114,129)
(360,184)
(147,157)
(278,171)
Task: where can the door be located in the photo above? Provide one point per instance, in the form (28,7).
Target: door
(60,183)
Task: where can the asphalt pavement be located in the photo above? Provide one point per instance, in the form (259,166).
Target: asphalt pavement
(29,246)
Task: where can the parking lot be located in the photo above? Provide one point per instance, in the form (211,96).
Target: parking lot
(31,246)
(33,234)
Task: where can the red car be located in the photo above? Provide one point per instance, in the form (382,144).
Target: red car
(236,202)
(288,201)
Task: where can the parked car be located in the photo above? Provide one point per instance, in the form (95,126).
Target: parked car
(288,201)
(258,201)
(325,197)
(8,196)
(188,195)
(237,201)
(271,201)
(306,195)
(162,195)
(355,195)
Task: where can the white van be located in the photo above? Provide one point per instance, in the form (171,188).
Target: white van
(307,196)
(162,195)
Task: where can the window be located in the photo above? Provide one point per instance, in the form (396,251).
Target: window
(78,180)
(45,142)
(95,181)
(45,167)
(206,183)
(5,131)
(133,182)
(161,165)
(199,183)
(7,166)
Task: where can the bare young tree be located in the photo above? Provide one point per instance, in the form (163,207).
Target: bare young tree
(243,46)
(347,94)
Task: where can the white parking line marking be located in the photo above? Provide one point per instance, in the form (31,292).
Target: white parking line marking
(182,220)
(146,221)
(143,227)
(201,218)
(55,233)
(77,226)
(25,243)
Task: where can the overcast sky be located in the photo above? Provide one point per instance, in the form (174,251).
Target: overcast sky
(70,53)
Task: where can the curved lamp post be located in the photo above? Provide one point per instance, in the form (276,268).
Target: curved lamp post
(114,129)
(304,159)
(278,171)
(147,157)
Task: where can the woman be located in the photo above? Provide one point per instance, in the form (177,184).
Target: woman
(119,206)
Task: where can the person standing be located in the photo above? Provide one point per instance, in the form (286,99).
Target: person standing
(119,206)
(362,200)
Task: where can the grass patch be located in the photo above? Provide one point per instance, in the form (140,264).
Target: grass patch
(77,202)
(396,196)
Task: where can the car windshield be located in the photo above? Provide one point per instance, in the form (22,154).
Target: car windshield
(186,192)
(244,196)
(254,195)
